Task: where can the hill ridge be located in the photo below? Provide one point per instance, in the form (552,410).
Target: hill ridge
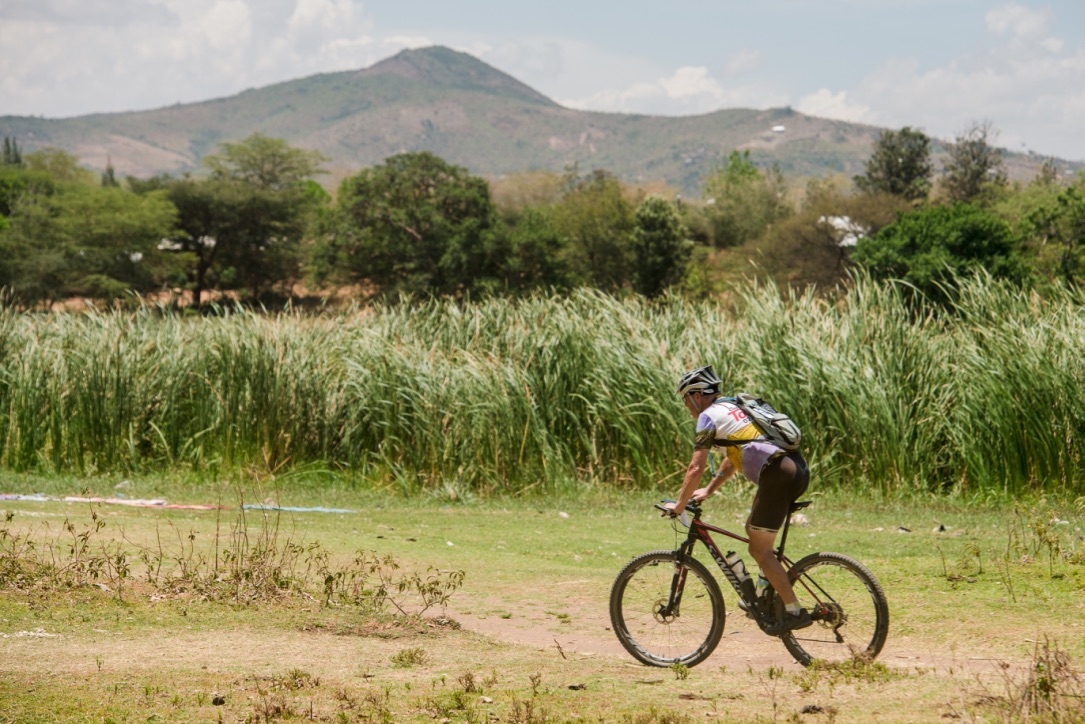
(453,104)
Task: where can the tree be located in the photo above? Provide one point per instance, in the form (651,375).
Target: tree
(416,224)
(265,200)
(813,247)
(79,239)
(16,183)
(242,227)
(1059,228)
(742,201)
(598,222)
(60,165)
(268,164)
(974,166)
(661,249)
(109,176)
(11,155)
(931,246)
(900,165)
(518,193)
(539,257)
(231,235)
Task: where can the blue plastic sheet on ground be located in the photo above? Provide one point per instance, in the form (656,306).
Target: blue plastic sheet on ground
(292,509)
(158,503)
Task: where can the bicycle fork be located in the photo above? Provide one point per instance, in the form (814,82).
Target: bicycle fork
(678,583)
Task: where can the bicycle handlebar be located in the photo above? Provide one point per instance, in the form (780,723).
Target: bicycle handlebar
(692,506)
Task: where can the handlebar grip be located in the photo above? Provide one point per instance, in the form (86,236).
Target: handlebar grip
(691,506)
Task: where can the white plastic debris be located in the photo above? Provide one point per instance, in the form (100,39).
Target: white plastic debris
(38,633)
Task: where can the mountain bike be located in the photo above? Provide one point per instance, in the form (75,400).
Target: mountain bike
(666,607)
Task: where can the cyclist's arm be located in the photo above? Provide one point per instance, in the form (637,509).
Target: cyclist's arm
(694,471)
(725,471)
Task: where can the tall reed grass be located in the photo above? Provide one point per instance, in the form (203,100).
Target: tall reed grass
(506,395)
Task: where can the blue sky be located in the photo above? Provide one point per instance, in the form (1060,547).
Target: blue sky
(939,65)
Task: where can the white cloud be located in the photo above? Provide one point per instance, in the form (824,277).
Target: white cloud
(226,26)
(408,41)
(549,64)
(1017,19)
(158,52)
(691,82)
(743,62)
(826,104)
(1028,83)
(690,89)
(84,13)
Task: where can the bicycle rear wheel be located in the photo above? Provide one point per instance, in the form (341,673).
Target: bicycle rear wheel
(851,615)
(689,634)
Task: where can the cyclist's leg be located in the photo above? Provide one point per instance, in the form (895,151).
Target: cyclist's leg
(782,481)
(761,549)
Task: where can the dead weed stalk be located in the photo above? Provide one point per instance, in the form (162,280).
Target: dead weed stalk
(1050,690)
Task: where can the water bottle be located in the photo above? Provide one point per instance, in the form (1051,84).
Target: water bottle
(739,569)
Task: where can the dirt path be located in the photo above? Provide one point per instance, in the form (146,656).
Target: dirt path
(586,632)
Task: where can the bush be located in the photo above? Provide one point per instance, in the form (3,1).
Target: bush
(931,247)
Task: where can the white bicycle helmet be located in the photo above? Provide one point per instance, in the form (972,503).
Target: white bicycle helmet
(702,379)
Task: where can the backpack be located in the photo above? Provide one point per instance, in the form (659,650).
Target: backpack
(777,427)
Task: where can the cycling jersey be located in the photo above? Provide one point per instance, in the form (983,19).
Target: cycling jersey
(724,421)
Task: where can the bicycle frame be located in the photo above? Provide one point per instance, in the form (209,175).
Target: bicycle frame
(700,531)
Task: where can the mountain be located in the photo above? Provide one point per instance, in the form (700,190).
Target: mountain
(465,111)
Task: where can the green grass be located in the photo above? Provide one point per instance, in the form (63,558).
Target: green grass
(554,393)
(980,592)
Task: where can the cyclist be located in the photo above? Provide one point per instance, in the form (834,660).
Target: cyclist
(781,477)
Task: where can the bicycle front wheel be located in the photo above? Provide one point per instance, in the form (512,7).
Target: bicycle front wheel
(851,615)
(687,634)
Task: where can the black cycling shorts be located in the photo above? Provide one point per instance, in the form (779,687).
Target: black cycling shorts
(783,480)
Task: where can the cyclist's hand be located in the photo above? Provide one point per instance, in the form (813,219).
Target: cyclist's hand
(700,494)
(670,509)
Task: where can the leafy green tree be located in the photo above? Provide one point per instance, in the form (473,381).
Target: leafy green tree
(742,201)
(518,193)
(268,164)
(79,239)
(204,216)
(1059,230)
(109,176)
(899,165)
(595,217)
(17,182)
(661,249)
(11,155)
(415,224)
(813,247)
(539,256)
(60,165)
(35,258)
(115,234)
(232,235)
(250,218)
(975,167)
(929,247)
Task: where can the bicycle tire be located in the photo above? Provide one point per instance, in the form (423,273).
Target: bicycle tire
(643,587)
(854,615)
